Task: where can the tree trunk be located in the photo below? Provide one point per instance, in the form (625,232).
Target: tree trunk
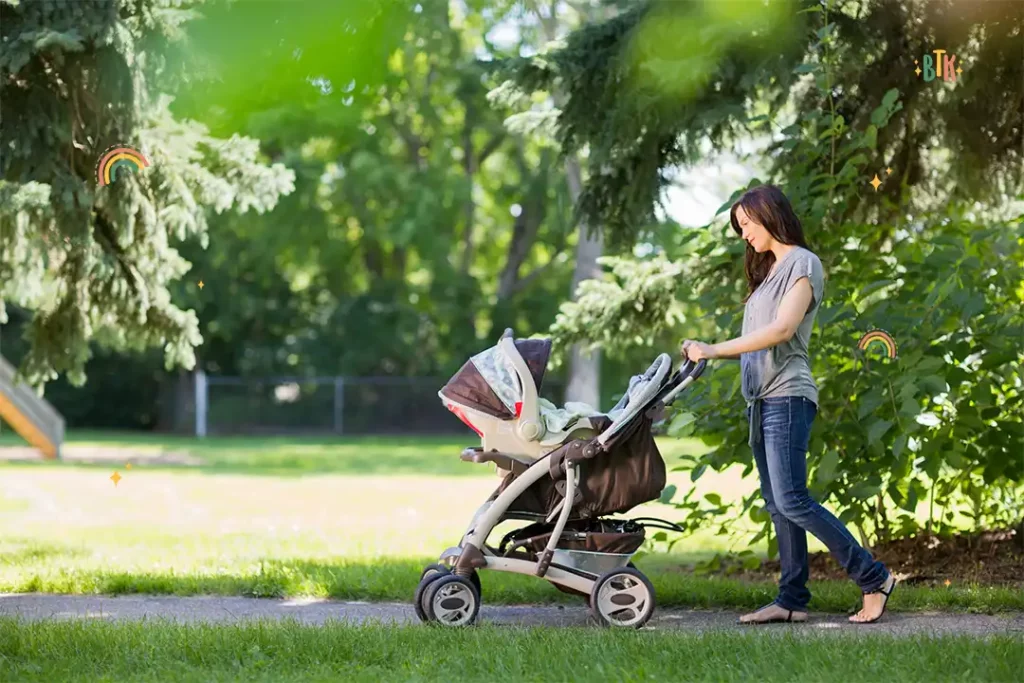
(584,367)
(526,224)
(469,207)
(373,258)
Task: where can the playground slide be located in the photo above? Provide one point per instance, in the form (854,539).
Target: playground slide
(29,415)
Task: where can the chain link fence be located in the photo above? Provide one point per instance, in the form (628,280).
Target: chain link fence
(327,405)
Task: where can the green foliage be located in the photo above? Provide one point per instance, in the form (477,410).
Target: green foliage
(941,426)
(419,224)
(630,307)
(644,89)
(95,263)
(285,72)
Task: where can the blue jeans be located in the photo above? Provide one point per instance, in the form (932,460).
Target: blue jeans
(780,450)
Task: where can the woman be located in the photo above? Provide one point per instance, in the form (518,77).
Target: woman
(786,283)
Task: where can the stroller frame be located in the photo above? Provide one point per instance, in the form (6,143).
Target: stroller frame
(618,593)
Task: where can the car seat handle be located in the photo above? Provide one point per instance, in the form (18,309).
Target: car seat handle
(529,423)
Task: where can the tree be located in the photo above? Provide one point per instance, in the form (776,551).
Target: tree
(645,88)
(418,225)
(95,262)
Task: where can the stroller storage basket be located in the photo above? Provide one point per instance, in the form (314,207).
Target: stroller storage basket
(593,536)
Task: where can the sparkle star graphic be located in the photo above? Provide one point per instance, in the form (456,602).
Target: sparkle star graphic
(200,284)
(115,477)
(876,182)
(888,171)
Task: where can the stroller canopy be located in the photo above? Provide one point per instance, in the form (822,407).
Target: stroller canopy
(488,381)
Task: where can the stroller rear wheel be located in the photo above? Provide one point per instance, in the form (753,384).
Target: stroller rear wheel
(623,597)
(451,600)
(434,570)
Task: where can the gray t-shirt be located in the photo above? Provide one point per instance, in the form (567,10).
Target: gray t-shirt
(784,369)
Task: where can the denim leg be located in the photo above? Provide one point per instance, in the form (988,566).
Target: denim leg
(787,429)
(792,539)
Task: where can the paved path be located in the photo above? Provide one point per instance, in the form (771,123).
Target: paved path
(231,609)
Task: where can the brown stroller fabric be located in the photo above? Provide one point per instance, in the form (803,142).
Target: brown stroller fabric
(469,388)
(628,473)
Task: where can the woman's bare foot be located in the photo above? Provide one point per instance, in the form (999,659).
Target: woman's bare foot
(772,613)
(874,603)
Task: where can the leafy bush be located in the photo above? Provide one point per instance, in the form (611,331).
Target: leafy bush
(941,425)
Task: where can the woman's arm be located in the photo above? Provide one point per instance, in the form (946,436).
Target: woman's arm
(791,312)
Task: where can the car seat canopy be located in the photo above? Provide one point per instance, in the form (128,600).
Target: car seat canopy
(488,381)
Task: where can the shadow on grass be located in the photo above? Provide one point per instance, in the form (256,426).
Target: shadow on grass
(277,456)
(394,580)
(272,456)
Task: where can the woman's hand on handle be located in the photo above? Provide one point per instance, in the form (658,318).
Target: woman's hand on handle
(696,351)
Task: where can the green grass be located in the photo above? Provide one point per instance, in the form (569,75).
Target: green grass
(394,580)
(277,456)
(284,456)
(341,529)
(76,651)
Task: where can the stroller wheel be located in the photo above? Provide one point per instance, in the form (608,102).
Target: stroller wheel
(430,574)
(474,578)
(435,570)
(623,597)
(451,601)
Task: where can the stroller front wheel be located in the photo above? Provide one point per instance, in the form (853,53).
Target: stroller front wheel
(430,574)
(623,597)
(452,600)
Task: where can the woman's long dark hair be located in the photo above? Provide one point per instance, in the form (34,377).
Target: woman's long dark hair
(767,205)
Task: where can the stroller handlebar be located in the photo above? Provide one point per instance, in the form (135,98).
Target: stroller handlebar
(687,374)
(690,369)
(699,369)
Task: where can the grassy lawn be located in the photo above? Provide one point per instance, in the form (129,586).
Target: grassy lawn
(279,456)
(105,651)
(353,520)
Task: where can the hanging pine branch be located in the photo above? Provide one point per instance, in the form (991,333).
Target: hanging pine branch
(94,261)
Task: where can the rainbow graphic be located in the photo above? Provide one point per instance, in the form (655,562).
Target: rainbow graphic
(880,336)
(116,160)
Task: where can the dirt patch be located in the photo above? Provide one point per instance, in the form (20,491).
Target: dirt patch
(991,558)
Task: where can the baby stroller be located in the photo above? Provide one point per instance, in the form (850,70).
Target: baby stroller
(562,470)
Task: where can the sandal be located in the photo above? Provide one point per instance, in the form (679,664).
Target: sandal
(891,584)
(762,615)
